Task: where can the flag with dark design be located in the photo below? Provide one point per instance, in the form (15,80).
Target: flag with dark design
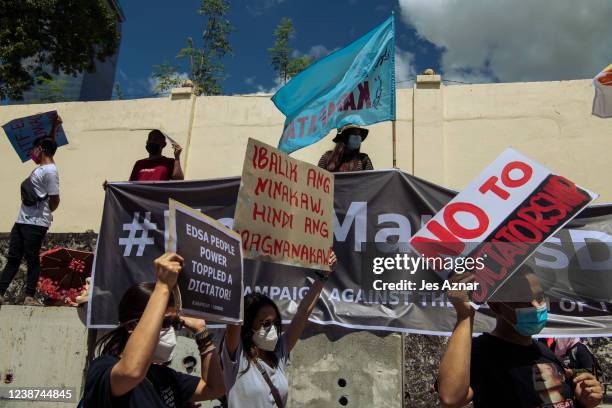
(374,207)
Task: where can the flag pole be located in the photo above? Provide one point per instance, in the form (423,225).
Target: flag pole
(394,91)
(393,141)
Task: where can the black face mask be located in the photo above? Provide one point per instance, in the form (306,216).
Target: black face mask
(153,148)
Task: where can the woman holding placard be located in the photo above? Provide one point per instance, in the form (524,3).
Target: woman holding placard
(132,371)
(255,355)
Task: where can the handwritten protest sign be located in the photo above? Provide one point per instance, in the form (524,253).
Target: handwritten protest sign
(502,216)
(210,284)
(284,209)
(22,132)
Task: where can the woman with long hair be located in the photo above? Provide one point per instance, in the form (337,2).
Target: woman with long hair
(255,355)
(347,155)
(130,370)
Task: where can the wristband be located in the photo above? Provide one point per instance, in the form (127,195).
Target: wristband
(206,350)
(204,339)
(201,334)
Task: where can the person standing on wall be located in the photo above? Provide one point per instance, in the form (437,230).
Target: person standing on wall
(157,167)
(346,155)
(255,355)
(39,199)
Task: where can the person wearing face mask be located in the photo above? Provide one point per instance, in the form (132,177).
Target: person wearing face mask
(346,155)
(157,167)
(507,367)
(131,369)
(255,355)
(39,199)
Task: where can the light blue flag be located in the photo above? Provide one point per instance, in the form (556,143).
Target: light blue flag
(353,85)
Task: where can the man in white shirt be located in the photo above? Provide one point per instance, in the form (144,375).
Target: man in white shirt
(40,197)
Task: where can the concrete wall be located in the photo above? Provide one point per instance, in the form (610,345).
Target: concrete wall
(42,347)
(445,134)
(48,347)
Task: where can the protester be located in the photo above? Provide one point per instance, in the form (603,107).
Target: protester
(574,354)
(39,199)
(346,155)
(255,355)
(507,368)
(157,167)
(130,371)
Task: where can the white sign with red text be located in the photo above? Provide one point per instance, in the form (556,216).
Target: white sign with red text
(513,206)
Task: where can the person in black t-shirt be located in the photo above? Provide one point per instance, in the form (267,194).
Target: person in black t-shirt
(130,370)
(507,368)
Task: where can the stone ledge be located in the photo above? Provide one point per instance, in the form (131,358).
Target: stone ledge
(429,79)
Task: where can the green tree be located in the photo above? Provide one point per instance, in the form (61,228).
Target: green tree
(280,53)
(40,37)
(49,90)
(205,64)
(298,64)
(118,91)
(166,76)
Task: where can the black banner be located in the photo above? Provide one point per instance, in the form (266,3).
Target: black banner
(385,206)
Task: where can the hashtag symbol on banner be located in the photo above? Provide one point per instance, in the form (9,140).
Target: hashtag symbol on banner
(139,241)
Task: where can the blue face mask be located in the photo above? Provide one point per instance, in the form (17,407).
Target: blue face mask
(354,141)
(530,320)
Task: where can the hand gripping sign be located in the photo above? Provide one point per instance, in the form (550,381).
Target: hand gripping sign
(502,216)
(210,285)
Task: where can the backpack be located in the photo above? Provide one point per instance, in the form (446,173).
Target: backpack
(29,197)
(572,359)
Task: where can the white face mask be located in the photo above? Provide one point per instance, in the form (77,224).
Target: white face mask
(265,340)
(164,351)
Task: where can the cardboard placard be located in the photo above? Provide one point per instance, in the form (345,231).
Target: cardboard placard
(211,282)
(284,212)
(22,132)
(503,215)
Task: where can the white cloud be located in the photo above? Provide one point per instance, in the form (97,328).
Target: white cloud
(153,82)
(511,40)
(249,80)
(262,90)
(405,71)
(316,52)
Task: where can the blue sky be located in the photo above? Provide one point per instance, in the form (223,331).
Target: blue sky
(155,30)
(471,41)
